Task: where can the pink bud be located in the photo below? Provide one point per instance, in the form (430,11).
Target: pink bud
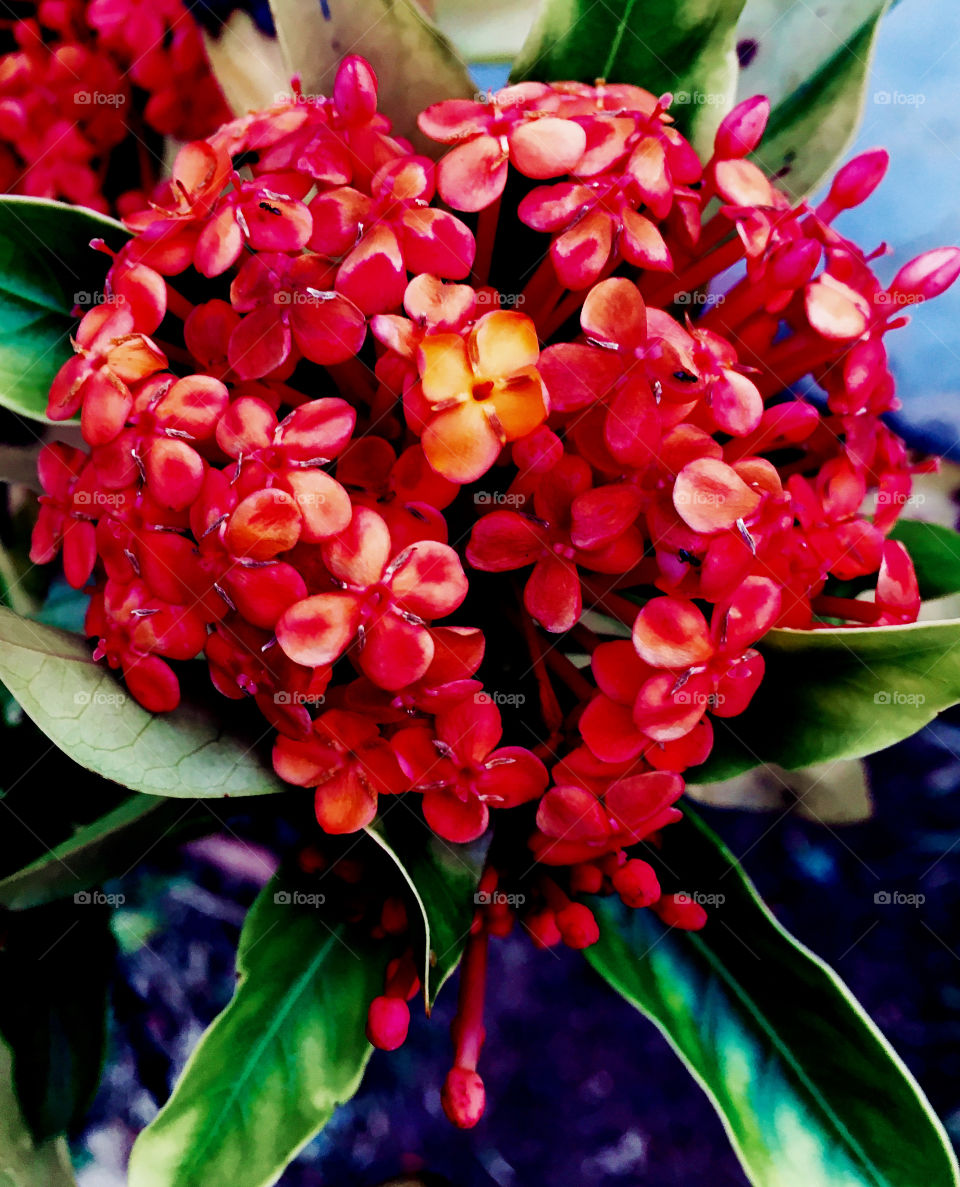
(855,182)
(679,910)
(355,90)
(577,926)
(741,130)
(636,883)
(542,926)
(926,276)
(463,1097)
(792,265)
(388,1020)
(586,878)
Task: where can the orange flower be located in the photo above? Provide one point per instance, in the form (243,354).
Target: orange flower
(476,392)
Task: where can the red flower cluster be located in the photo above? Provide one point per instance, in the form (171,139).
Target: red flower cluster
(275,474)
(89,77)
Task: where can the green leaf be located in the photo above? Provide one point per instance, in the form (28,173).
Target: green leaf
(415,64)
(686,47)
(46,268)
(107,848)
(24,1162)
(443,878)
(935,552)
(270,1071)
(485,30)
(809,1091)
(83,709)
(814,68)
(55,969)
(841,693)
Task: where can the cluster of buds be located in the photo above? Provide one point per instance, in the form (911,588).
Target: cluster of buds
(95,83)
(283,477)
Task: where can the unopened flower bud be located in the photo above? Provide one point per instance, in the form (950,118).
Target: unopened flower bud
(679,910)
(741,130)
(577,926)
(926,276)
(636,883)
(463,1097)
(388,1020)
(586,878)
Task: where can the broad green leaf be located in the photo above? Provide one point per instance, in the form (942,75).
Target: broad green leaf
(828,793)
(809,1091)
(814,67)
(686,47)
(270,1071)
(414,62)
(85,710)
(838,693)
(46,268)
(23,1161)
(935,552)
(55,969)
(107,848)
(443,878)
(485,30)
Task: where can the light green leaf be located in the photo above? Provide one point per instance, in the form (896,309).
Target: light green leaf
(935,552)
(443,878)
(270,1071)
(813,63)
(106,848)
(83,709)
(415,64)
(46,267)
(485,30)
(841,693)
(809,1091)
(686,47)
(23,1161)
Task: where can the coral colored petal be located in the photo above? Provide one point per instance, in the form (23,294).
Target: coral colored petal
(324,505)
(318,629)
(262,594)
(458,652)
(394,652)
(437,243)
(600,515)
(736,404)
(547,147)
(358,555)
(444,368)
(503,342)
(642,244)
(259,344)
(576,375)
(247,425)
(373,275)
(614,314)
(454,819)
(429,580)
(154,684)
(750,612)
(633,801)
(263,524)
(633,425)
(580,253)
(472,175)
(343,804)
(518,405)
(327,327)
(461,444)
(512,776)
(709,496)
(608,729)
(618,670)
(552,594)
(671,633)
(174,472)
(572,813)
(318,429)
(471,729)
(504,540)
